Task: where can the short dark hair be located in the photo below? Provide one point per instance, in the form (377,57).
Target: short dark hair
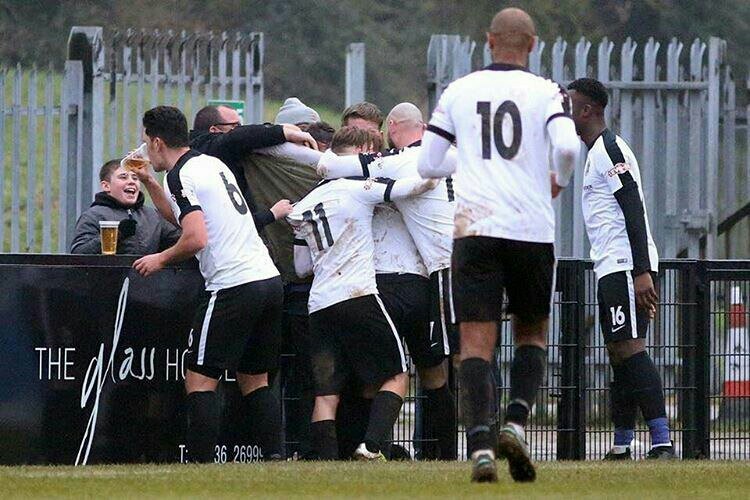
(591,88)
(105,173)
(205,117)
(167,123)
(348,136)
(320,131)
(364,110)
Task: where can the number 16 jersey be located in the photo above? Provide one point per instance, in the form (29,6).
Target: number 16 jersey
(498,118)
(234,254)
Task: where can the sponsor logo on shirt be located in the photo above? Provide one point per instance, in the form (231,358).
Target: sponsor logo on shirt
(618,169)
(622,261)
(368,183)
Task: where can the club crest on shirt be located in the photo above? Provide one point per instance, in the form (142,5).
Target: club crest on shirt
(618,169)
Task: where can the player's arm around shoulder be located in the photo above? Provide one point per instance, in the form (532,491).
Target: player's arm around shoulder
(333,166)
(378,190)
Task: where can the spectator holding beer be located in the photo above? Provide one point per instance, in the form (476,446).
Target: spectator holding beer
(119,209)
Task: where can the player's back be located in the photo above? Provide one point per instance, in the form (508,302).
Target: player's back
(234,253)
(429,216)
(337,227)
(499,118)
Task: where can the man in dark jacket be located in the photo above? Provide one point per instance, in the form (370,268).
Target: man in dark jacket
(217,132)
(142,230)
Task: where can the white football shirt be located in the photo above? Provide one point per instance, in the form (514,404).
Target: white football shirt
(498,118)
(335,222)
(610,165)
(394,251)
(234,254)
(428,217)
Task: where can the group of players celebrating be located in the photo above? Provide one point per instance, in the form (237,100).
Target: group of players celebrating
(417,242)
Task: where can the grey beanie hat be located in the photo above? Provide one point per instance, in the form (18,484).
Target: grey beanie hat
(294,111)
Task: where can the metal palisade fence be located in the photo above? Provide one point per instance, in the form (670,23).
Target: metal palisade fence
(39,135)
(676,107)
(57,129)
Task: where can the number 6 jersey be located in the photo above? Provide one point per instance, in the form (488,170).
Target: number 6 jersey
(234,254)
(334,221)
(498,118)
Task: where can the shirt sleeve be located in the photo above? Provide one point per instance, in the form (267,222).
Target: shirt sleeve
(379,190)
(384,165)
(246,138)
(293,152)
(441,122)
(182,186)
(333,166)
(560,105)
(436,159)
(617,173)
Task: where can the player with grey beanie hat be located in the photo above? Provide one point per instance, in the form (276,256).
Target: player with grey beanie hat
(294,111)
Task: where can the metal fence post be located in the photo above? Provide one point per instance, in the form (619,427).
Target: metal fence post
(71,162)
(568,421)
(254,93)
(581,341)
(670,240)
(355,74)
(715,57)
(437,69)
(85,44)
(729,171)
(687,399)
(702,363)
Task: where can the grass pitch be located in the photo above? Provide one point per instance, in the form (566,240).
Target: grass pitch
(392,480)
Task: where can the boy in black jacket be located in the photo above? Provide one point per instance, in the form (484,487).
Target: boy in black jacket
(142,230)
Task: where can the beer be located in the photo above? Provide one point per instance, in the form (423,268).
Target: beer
(108,232)
(132,163)
(136,159)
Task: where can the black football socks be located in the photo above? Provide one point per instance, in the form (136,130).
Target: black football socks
(203,420)
(477,393)
(263,422)
(385,409)
(526,376)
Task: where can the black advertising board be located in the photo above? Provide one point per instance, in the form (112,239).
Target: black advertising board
(91,361)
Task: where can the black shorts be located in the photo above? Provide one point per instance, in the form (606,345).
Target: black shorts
(443,325)
(484,268)
(354,341)
(237,329)
(407,299)
(617,308)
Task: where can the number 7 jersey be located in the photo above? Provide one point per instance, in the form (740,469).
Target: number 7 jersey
(234,254)
(498,118)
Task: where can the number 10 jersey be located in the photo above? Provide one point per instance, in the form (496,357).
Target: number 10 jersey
(498,118)
(234,254)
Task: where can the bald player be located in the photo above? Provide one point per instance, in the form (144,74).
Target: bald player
(504,120)
(424,307)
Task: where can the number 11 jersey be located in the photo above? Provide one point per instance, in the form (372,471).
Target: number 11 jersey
(334,221)
(234,254)
(498,118)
